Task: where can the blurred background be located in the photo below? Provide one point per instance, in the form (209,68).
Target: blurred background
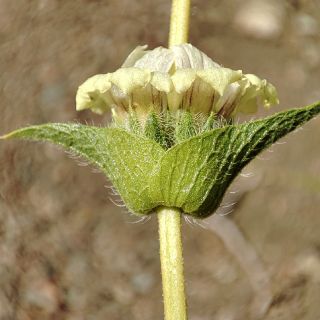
(67,252)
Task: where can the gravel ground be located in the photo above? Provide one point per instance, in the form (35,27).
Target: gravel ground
(67,252)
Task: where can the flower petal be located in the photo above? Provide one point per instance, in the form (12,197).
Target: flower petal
(270,95)
(159,59)
(161,81)
(187,56)
(179,77)
(227,103)
(219,78)
(182,80)
(255,90)
(128,79)
(91,93)
(134,56)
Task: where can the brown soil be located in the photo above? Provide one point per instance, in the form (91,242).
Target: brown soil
(67,252)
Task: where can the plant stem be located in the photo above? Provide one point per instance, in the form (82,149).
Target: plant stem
(171,258)
(179,22)
(172,264)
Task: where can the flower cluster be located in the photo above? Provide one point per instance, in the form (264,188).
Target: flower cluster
(181,77)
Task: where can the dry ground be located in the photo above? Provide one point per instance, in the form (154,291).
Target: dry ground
(66,252)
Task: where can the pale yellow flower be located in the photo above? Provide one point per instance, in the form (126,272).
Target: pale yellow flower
(181,77)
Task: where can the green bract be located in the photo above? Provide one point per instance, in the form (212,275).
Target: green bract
(172,142)
(192,174)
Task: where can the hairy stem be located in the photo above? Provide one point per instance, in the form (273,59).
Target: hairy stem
(174,298)
(179,22)
(172,264)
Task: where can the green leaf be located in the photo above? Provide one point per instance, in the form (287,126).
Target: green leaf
(192,176)
(125,158)
(195,174)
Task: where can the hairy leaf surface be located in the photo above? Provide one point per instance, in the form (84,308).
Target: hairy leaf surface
(192,175)
(125,158)
(195,174)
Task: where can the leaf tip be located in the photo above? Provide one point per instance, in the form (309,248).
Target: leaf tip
(8,135)
(5,136)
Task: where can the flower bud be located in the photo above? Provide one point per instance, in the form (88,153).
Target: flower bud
(181,77)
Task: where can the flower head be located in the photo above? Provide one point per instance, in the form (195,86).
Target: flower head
(181,77)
